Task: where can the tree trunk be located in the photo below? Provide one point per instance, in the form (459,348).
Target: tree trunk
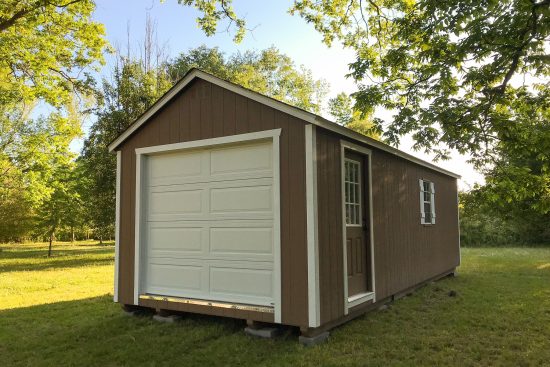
(72,234)
(50,247)
(100,239)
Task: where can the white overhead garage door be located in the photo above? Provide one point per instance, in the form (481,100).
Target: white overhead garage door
(208,223)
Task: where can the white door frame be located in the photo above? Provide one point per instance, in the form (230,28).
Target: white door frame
(350,302)
(141,156)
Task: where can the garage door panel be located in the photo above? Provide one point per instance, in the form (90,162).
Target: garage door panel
(241,199)
(181,277)
(239,241)
(241,283)
(241,158)
(176,239)
(176,202)
(169,167)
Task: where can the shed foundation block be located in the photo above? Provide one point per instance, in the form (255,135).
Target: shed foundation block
(309,341)
(262,332)
(166,316)
(131,310)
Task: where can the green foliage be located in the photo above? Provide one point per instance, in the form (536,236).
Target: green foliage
(132,90)
(485,220)
(34,152)
(214,11)
(268,72)
(444,66)
(44,48)
(342,108)
(465,75)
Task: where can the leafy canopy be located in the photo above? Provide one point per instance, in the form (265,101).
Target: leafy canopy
(342,108)
(444,66)
(45,47)
(269,72)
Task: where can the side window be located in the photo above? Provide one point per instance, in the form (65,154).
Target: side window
(427,202)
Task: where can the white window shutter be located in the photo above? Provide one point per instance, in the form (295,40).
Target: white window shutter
(422,214)
(432,194)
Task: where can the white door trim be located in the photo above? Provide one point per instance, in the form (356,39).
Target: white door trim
(117,223)
(265,134)
(350,302)
(141,156)
(314,304)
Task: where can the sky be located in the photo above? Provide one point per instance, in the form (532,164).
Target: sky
(270,24)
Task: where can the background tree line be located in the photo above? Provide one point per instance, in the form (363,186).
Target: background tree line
(49,192)
(465,76)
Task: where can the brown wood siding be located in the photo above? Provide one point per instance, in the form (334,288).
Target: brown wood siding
(202,111)
(329,195)
(406,253)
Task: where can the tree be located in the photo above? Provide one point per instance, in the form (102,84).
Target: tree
(268,72)
(466,75)
(133,89)
(58,209)
(445,67)
(33,149)
(214,11)
(44,47)
(342,108)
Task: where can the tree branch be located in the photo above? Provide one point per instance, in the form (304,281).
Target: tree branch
(5,23)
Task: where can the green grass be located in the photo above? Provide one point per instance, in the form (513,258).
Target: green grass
(59,311)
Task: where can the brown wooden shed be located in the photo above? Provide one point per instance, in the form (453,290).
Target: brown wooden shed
(234,204)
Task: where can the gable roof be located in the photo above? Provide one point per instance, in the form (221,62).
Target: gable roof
(271,102)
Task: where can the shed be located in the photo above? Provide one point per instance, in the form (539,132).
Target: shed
(234,204)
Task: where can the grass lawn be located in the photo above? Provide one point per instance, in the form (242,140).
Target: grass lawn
(59,311)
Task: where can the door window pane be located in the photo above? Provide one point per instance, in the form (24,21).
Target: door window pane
(352,196)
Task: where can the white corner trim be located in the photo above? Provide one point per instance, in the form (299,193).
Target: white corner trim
(117,223)
(314,312)
(141,158)
(278,105)
(137,237)
(344,247)
(277,317)
(353,301)
(371,232)
(458,224)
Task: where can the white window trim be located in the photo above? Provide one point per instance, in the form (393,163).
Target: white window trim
(314,302)
(356,300)
(141,156)
(117,223)
(422,202)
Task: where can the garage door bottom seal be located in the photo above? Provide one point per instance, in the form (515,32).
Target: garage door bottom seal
(202,302)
